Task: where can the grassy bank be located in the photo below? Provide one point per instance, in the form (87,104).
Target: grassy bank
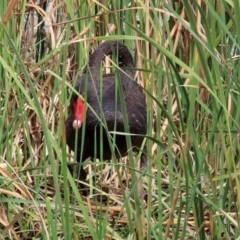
(187,61)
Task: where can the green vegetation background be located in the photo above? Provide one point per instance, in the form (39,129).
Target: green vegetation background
(187,54)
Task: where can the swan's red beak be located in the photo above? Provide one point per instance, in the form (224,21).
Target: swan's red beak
(78,106)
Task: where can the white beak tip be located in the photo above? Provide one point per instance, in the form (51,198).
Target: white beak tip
(76,124)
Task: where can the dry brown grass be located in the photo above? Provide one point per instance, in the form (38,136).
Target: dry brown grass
(178,202)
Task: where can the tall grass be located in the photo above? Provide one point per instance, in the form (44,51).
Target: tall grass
(186,54)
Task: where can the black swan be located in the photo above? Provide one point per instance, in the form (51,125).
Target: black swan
(103,98)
